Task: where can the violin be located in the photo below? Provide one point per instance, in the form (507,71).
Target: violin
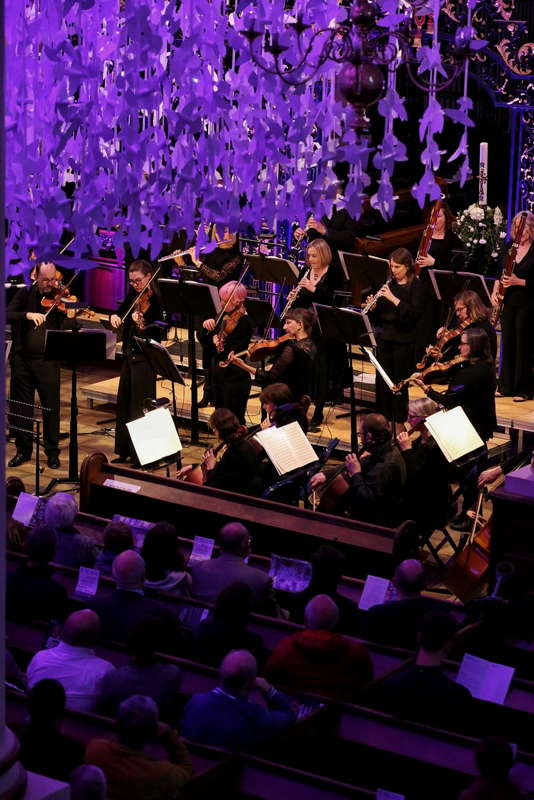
(447,336)
(196,473)
(430,373)
(229,324)
(60,297)
(259,350)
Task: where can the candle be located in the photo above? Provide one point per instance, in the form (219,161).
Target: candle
(483,175)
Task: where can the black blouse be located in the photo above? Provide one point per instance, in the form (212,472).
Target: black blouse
(292,365)
(522,296)
(441,252)
(153,314)
(331,282)
(399,323)
(473,388)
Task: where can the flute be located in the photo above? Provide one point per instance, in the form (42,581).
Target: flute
(369,306)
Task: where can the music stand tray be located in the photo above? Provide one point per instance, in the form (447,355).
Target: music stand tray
(364,273)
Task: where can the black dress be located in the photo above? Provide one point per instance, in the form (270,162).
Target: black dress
(231,384)
(452,348)
(221,265)
(472,387)
(292,364)
(237,470)
(137,379)
(341,233)
(396,346)
(517,324)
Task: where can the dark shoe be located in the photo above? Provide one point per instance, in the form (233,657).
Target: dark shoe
(205,402)
(18,459)
(54,462)
(119,460)
(315,427)
(520,398)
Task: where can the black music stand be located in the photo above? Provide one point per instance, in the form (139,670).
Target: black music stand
(446,285)
(364,273)
(478,284)
(262,314)
(273,269)
(191,299)
(353,328)
(73,346)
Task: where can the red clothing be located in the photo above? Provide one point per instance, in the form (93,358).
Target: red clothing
(320,662)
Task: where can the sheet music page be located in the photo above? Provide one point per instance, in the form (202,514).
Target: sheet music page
(87,583)
(287,447)
(454,433)
(154,436)
(290,574)
(378,366)
(138,527)
(25,508)
(202,549)
(486,680)
(375,592)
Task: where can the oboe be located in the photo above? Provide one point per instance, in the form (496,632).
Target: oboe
(372,303)
(292,296)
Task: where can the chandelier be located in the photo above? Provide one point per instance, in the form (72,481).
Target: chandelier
(368,41)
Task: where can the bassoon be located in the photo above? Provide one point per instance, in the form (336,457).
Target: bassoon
(508,268)
(426,239)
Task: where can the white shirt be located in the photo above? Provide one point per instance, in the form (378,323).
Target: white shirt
(77,668)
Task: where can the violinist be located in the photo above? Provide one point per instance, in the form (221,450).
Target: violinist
(137,379)
(30,372)
(292,359)
(281,409)
(470,312)
(517,319)
(229,385)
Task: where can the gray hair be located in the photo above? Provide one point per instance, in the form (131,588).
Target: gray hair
(321,613)
(238,670)
(88,782)
(137,720)
(61,510)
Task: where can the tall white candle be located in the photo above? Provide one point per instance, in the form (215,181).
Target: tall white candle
(483,175)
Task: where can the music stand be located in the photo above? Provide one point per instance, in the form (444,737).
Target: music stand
(271,269)
(351,327)
(73,346)
(446,284)
(154,437)
(262,314)
(191,299)
(478,284)
(364,273)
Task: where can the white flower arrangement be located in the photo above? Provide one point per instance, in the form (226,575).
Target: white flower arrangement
(482,230)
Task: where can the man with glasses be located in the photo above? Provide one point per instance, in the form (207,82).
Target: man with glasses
(30,372)
(137,380)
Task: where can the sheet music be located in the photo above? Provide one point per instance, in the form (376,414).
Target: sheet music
(139,528)
(29,509)
(486,680)
(87,583)
(375,592)
(290,574)
(454,433)
(379,368)
(287,447)
(202,549)
(154,436)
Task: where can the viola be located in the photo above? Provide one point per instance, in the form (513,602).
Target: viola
(447,336)
(259,350)
(429,374)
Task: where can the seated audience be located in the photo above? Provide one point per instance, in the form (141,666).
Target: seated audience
(318,660)
(127,604)
(397,622)
(13,674)
(226,628)
(226,717)
(73,662)
(72,548)
(43,748)
(117,538)
(494,758)
(16,535)
(32,592)
(88,783)
(210,577)
(422,691)
(164,561)
(328,566)
(143,675)
(14,486)
(131,773)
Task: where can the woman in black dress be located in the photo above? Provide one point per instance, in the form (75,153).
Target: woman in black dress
(517,319)
(398,311)
(137,380)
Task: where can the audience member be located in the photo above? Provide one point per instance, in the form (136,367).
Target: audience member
(43,748)
(73,662)
(144,674)
(14,486)
(131,773)
(494,759)
(117,538)
(397,622)
(127,604)
(16,535)
(14,675)
(422,691)
(225,717)
(72,549)
(210,577)
(164,561)
(88,783)
(328,566)
(226,628)
(317,659)
(32,592)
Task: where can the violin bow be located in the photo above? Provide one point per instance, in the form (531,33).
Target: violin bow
(238,283)
(58,300)
(141,293)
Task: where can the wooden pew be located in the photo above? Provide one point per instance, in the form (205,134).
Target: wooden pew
(200,509)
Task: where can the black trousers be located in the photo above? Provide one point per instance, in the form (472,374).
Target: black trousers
(517,350)
(398,360)
(230,388)
(137,382)
(30,375)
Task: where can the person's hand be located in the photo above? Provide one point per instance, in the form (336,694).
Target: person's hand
(115,321)
(218,342)
(440,332)
(422,385)
(233,359)
(266,423)
(181,474)
(139,319)
(488,476)
(404,441)
(316,225)
(512,280)
(37,319)
(387,294)
(263,685)
(433,351)
(352,464)
(209,459)
(317,480)
(306,283)
(298,233)
(209,324)
(426,261)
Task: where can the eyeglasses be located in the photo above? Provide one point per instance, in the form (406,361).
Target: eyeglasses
(135,281)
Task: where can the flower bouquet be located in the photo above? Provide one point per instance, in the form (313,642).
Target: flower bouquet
(482,230)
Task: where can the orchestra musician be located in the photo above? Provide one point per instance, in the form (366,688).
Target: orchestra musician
(292,360)
(30,371)
(399,304)
(137,379)
(517,319)
(281,409)
(470,312)
(339,231)
(230,386)
(222,263)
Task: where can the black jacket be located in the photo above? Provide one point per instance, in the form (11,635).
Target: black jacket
(473,388)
